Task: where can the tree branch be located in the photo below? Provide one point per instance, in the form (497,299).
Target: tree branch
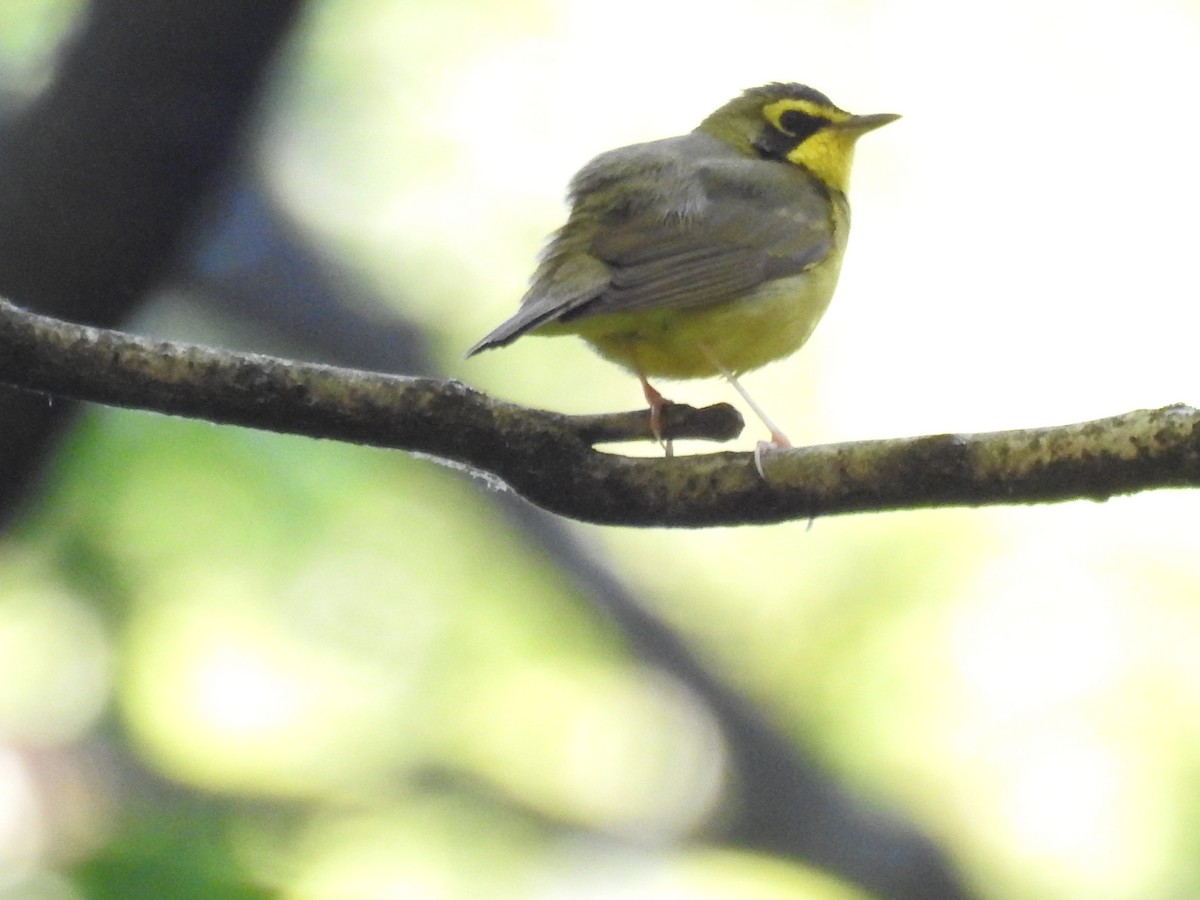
(548,458)
(102,175)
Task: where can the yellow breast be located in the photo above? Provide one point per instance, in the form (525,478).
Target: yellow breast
(767,324)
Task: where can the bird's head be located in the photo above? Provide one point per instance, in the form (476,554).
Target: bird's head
(792,123)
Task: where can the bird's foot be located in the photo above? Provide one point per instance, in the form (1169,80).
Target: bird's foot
(778,441)
(658,404)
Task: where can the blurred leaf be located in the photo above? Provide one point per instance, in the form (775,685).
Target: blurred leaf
(182,856)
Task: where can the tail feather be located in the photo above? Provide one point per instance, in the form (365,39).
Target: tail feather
(520,324)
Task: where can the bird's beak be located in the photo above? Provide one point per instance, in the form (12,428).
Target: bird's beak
(863,124)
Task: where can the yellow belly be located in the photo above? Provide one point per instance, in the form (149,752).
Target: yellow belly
(772,322)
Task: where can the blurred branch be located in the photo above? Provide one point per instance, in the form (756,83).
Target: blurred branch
(782,799)
(252,266)
(547,457)
(101,175)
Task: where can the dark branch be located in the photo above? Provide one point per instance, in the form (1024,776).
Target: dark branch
(547,457)
(102,175)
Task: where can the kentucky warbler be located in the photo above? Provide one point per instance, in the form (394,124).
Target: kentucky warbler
(712,253)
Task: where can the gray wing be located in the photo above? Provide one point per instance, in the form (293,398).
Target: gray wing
(694,223)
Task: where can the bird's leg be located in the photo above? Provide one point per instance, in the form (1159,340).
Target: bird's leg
(778,438)
(657,401)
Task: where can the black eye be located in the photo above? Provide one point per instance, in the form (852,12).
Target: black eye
(800,124)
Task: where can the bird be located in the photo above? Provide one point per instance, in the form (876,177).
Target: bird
(707,254)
